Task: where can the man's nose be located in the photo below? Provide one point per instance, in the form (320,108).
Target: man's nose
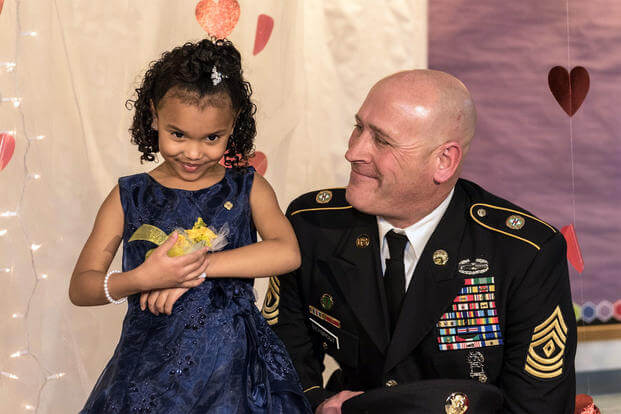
(358,147)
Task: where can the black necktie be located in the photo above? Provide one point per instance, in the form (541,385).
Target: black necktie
(394,278)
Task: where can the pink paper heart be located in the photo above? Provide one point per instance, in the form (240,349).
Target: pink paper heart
(265,24)
(217,17)
(7,146)
(1,4)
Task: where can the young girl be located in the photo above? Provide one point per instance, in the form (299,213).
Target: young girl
(212,351)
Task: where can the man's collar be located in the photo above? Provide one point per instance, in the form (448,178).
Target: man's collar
(418,233)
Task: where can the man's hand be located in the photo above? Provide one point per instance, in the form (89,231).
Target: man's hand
(333,404)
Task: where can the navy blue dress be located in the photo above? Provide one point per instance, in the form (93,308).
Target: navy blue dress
(215,353)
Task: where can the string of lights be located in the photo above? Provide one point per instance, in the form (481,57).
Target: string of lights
(12,69)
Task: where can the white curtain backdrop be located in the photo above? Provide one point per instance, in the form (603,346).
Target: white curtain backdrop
(76,62)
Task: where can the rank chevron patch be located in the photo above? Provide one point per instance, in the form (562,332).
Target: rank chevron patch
(547,347)
(271,302)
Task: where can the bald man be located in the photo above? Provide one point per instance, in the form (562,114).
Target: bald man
(412,274)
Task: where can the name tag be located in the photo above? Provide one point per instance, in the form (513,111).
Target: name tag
(326,334)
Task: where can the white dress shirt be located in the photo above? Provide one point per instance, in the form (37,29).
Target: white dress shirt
(418,235)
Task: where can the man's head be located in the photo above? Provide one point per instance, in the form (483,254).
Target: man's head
(411,135)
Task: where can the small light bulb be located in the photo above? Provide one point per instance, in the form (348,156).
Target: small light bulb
(19,353)
(9,66)
(9,375)
(36,176)
(35,247)
(17,315)
(39,137)
(3,232)
(44,276)
(8,214)
(56,376)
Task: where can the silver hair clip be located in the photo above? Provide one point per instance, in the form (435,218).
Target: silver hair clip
(216,77)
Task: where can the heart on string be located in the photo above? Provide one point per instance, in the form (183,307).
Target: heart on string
(1,4)
(265,24)
(217,17)
(569,89)
(574,255)
(259,162)
(7,146)
(585,405)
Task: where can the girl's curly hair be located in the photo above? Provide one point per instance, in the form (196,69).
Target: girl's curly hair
(188,68)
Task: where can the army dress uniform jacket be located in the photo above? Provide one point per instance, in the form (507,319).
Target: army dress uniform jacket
(489,300)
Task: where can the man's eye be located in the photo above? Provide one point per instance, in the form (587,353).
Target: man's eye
(212,137)
(358,127)
(380,141)
(177,134)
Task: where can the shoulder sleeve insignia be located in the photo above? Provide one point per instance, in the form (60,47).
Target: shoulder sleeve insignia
(516,224)
(547,347)
(271,302)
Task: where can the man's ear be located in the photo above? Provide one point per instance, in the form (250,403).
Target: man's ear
(154,115)
(447,160)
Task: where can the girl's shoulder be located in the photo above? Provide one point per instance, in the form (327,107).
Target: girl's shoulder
(134,178)
(131,182)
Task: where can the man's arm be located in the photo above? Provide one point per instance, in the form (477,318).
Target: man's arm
(540,340)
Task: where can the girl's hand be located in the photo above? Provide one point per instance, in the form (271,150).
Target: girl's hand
(161,301)
(160,271)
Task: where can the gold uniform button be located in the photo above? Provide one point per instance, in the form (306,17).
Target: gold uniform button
(481,212)
(391,383)
(228,205)
(457,403)
(363,241)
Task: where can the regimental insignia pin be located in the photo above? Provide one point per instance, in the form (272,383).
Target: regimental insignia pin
(478,267)
(440,257)
(515,222)
(476,362)
(323,196)
(228,205)
(363,241)
(456,403)
(481,212)
(327,302)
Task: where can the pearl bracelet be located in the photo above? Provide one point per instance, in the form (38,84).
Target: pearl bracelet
(107,291)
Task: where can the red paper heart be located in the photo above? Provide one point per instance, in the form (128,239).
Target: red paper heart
(569,89)
(1,4)
(259,162)
(265,24)
(7,146)
(217,17)
(585,404)
(574,255)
